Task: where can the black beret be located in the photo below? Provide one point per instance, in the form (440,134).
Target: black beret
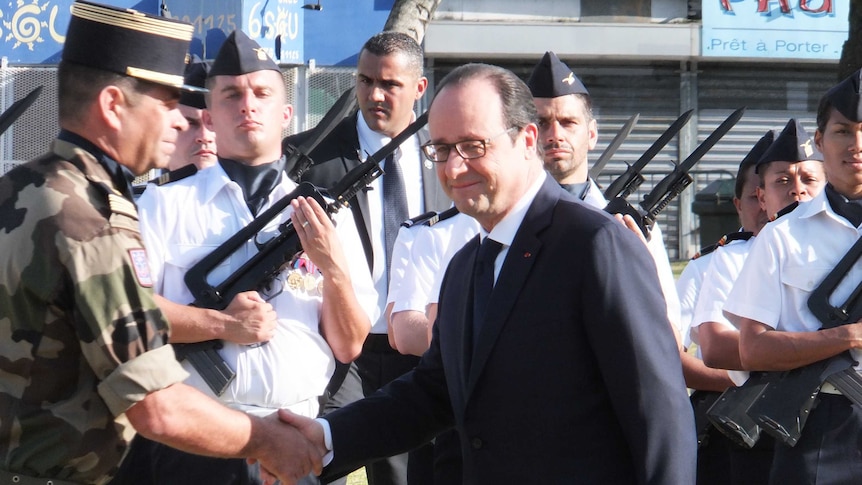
(844,97)
(758,149)
(196,75)
(793,144)
(128,42)
(241,55)
(551,78)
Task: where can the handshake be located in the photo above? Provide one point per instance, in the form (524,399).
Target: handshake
(288,447)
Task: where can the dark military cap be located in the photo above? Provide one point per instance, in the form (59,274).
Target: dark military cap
(241,55)
(793,144)
(128,42)
(196,75)
(551,78)
(759,149)
(845,98)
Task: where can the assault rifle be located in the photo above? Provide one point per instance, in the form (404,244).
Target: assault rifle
(784,406)
(631,179)
(673,184)
(261,270)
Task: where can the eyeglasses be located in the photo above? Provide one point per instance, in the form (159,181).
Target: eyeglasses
(466,149)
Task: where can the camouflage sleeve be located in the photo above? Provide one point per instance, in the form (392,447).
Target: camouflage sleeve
(113,310)
(133,380)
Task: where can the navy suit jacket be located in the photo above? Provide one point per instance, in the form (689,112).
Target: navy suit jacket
(576,377)
(338,153)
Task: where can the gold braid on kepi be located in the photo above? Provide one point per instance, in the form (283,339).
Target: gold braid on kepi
(128,42)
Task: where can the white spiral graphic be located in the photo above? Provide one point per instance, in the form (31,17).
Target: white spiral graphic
(26,28)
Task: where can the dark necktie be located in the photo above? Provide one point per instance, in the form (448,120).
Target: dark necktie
(849,210)
(394,204)
(483,281)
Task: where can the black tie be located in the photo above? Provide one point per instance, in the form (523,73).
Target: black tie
(849,210)
(394,204)
(483,281)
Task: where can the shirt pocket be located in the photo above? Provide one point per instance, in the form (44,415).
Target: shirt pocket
(180,260)
(804,278)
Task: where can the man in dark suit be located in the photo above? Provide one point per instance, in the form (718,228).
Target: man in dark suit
(389,80)
(570,375)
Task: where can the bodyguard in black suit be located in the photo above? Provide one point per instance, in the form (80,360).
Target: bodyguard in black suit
(389,81)
(570,376)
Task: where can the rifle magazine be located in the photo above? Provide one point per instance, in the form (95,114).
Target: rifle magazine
(212,368)
(728,413)
(849,382)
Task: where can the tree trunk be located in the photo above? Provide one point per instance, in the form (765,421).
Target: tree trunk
(412,17)
(851,52)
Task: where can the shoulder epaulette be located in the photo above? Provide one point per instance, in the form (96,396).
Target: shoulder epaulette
(430,218)
(705,250)
(418,219)
(442,216)
(785,211)
(174,175)
(735,236)
(725,240)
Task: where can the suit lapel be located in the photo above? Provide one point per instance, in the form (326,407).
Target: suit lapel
(513,275)
(464,312)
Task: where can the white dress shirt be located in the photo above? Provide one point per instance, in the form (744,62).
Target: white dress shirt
(185,220)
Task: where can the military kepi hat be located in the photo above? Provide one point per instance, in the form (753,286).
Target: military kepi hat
(552,78)
(793,144)
(845,97)
(241,55)
(196,75)
(128,42)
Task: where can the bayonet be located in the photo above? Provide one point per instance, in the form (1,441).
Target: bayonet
(612,147)
(673,184)
(17,109)
(629,181)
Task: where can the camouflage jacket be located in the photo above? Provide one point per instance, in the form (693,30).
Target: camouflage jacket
(81,338)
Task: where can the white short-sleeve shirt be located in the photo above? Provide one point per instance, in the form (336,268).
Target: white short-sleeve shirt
(688,288)
(183,221)
(432,249)
(724,268)
(788,260)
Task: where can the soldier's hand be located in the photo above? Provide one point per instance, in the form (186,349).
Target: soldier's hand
(317,235)
(632,225)
(252,320)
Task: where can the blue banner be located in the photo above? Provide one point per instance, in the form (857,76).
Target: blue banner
(780,29)
(277,25)
(33,32)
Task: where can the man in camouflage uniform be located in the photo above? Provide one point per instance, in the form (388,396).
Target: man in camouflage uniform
(83,355)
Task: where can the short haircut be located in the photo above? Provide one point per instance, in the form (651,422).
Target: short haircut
(742,175)
(588,104)
(389,42)
(79,86)
(519,110)
(824,111)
